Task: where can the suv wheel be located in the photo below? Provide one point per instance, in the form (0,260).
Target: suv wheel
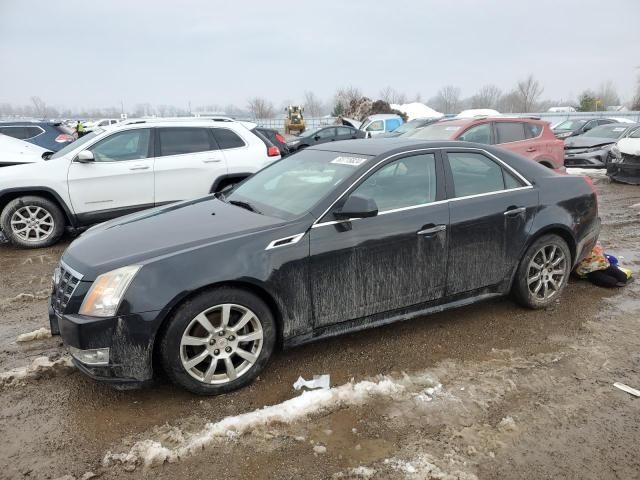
(543,272)
(32,222)
(218,341)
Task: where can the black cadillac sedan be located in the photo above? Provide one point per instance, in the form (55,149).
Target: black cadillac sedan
(337,238)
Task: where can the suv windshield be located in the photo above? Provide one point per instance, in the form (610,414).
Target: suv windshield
(606,131)
(78,143)
(570,125)
(294,185)
(437,131)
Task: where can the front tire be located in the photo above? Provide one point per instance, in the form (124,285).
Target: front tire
(543,272)
(218,341)
(32,222)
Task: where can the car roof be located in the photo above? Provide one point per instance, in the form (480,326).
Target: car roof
(378,146)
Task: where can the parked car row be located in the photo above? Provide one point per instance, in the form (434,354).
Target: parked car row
(122,169)
(51,136)
(594,147)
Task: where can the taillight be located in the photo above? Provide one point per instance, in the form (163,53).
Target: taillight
(64,137)
(280,138)
(273,151)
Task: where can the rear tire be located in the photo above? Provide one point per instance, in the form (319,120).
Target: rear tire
(203,355)
(32,222)
(543,272)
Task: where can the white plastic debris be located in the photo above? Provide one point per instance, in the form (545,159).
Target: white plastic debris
(319,381)
(39,334)
(627,388)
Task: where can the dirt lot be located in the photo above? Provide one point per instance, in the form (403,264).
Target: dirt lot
(491,391)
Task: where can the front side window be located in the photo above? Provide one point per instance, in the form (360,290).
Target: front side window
(326,133)
(376,126)
(478,134)
(178,141)
(635,133)
(474,174)
(403,183)
(508,132)
(345,131)
(129,145)
(227,138)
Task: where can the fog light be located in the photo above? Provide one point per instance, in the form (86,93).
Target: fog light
(94,356)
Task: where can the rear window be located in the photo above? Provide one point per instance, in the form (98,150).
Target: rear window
(178,141)
(508,132)
(227,138)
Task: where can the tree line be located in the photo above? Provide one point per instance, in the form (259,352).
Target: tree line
(524,97)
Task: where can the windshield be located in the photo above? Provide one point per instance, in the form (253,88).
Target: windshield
(437,131)
(410,125)
(606,131)
(294,185)
(570,125)
(78,143)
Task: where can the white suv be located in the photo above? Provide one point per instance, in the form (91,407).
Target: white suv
(122,169)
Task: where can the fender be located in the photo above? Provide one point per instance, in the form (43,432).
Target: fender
(223,178)
(35,190)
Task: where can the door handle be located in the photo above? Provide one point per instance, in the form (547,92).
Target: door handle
(140,167)
(513,211)
(432,229)
(531,149)
(212,160)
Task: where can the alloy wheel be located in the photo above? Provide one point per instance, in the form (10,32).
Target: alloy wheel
(546,273)
(32,223)
(221,343)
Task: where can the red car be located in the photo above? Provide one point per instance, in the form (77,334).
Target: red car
(530,137)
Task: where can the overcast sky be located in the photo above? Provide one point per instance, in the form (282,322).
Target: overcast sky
(95,53)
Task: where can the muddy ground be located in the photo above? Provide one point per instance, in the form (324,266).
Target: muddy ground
(491,391)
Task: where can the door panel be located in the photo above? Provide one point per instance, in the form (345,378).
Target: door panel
(187,163)
(393,260)
(120,178)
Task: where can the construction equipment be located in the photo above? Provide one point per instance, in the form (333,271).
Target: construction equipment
(294,121)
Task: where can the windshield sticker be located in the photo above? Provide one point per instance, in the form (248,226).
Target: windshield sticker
(452,129)
(619,129)
(353,161)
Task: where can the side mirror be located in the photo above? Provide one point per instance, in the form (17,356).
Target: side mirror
(85,156)
(316,138)
(357,207)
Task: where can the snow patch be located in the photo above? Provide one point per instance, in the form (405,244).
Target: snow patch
(40,367)
(39,334)
(424,467)
(151,453)
(357,472)
(589,172)
(478,112)
(416,110)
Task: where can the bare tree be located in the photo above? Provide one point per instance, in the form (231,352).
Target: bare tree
(447,100)
(347,96)
(312,104)
(528,92)
(260,107)
(487,97)
(390,95)
(40,107)
(607,95)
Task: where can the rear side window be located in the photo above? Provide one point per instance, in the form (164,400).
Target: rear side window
(227,138)
(532,130)
(345,131)
(326,133)
(478,134)
(15,132)
(178,141)
(508,132)
(474,174)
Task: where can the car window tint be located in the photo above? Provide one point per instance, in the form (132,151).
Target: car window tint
(345,131)
(178,141)
(31,132)
(478,134)
(405,182)
(532,130)
(227,138)
(326,133)
(510,181)
(509,132)
(473,173)
(129,145)
(376,126)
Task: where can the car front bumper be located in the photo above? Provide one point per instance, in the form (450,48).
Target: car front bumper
(626,171)
(592,159)
(128,338)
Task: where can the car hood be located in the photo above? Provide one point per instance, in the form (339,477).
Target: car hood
(13,150)
(629,146)
(143,237)
(587,142)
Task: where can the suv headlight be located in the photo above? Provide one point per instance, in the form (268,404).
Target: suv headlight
(594,149)
(105,295)
(616,156)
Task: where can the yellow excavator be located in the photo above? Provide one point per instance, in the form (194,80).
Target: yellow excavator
(295,120)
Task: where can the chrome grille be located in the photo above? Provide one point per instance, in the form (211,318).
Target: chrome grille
(65,282)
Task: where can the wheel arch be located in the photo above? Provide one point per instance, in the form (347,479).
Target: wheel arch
(562,231)
(10,194)
(251,287)
(224,180)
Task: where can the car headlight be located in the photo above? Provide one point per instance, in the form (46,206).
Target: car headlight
(616,156)
(563,135)
(105,295)
(595,149)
